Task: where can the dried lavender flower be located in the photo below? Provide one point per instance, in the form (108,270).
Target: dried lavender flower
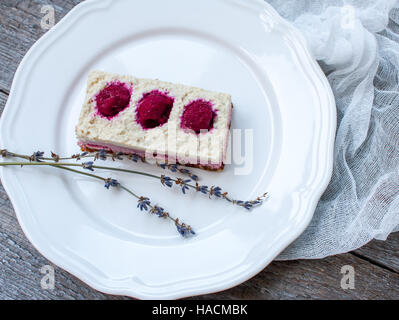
(88,165)
(143,203)
(37,156)
(166,181)
(111,183)
(185,231)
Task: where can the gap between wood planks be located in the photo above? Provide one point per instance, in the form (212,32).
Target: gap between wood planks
(373,262)
(7,93)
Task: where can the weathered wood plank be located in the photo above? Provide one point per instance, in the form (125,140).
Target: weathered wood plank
(316,279)
(3,100)
(20,275)
(20,28)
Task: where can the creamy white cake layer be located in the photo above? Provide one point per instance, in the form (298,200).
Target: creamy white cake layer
(169,139)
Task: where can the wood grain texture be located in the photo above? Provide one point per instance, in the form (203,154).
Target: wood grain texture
(376,265)
(20,28)
(316,279)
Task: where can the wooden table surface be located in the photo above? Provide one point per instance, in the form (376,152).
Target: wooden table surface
(376,264)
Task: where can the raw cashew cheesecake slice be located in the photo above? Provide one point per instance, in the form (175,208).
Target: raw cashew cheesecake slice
(155,120)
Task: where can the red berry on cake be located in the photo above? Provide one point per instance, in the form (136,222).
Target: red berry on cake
(198,115)
(153,109)
(111,100)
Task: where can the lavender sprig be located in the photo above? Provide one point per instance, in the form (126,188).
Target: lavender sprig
(98,155)
(184,184)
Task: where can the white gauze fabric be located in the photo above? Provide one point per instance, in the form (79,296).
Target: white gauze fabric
(357,45)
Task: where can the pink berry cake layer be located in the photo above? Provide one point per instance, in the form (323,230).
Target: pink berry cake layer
(156,120)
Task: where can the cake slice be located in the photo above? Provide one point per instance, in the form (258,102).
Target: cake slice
(155,120)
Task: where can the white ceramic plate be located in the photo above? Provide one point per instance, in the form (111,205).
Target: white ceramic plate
(240,47)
